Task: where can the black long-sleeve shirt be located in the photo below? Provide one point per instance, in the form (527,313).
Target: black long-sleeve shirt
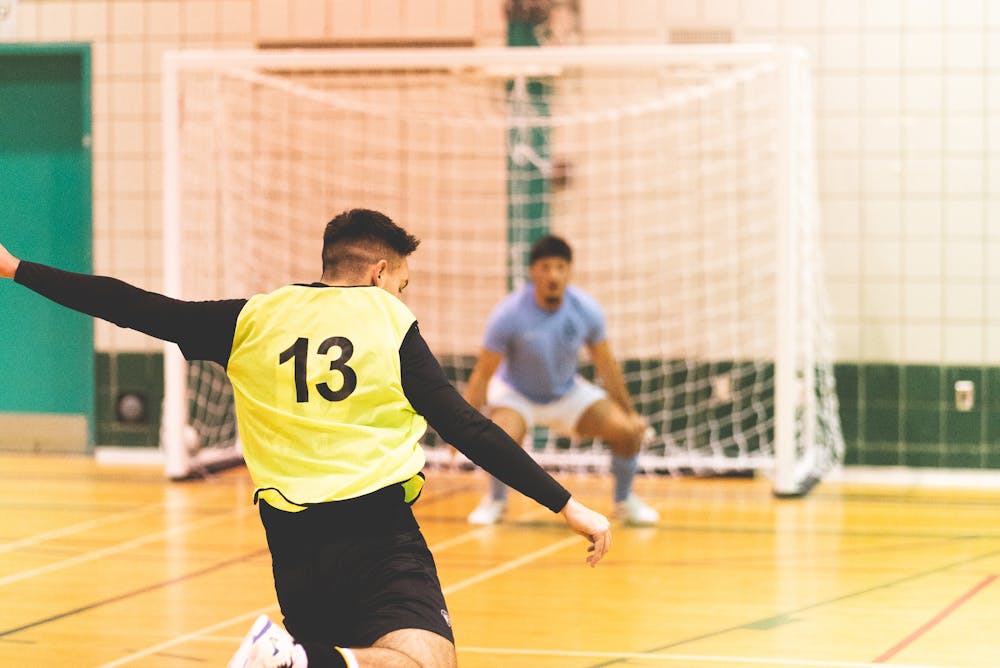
(204,331)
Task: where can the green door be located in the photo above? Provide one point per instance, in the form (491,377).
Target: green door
(46,351)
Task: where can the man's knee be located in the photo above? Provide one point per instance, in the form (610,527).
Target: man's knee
(625,435)
(607,421)
(626,443)
(512,422)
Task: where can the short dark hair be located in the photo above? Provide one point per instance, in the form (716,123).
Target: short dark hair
(356,238)
(550,246)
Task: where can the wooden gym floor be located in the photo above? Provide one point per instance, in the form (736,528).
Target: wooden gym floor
(113,566)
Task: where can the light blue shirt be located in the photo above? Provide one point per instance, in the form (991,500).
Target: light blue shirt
(541,349)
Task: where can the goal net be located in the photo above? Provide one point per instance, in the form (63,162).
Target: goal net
(683,177)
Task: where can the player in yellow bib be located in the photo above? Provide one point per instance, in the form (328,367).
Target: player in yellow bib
(334,386)
(320,342)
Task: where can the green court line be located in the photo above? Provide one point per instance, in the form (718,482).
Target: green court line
(783,618)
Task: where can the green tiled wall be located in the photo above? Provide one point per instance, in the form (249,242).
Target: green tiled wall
(120,373)
(891,415)
(905,415)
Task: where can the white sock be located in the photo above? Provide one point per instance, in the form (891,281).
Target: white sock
(349,658)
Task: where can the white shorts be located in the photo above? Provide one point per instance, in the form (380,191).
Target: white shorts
(561,415)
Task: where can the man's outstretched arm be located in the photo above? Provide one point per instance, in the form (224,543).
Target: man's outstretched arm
(489,446)
(204,330)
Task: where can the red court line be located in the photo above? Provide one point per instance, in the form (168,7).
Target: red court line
(935,620)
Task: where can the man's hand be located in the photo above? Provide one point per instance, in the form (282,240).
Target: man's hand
(8,263)
(593,526)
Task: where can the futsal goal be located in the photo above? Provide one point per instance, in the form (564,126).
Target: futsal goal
(683,177)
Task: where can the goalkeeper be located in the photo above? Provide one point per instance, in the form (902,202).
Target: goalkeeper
(332,383)
(526,374)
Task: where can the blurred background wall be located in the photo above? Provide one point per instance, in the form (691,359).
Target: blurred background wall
(908,122)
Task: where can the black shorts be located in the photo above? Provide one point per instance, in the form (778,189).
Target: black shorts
(349,584)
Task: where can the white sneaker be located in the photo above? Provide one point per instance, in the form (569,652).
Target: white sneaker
(635,512)
(489,511)
(267,645)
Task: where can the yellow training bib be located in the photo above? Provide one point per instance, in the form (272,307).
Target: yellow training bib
(319,400)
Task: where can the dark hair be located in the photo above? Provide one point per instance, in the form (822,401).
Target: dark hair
(550,246)
(359,237)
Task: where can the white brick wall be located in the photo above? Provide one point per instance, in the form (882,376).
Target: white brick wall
(907,98)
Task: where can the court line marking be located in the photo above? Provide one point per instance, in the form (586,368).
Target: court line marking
(819,604)
(121,547)
(458,586)
(701,658)
(239,559)
(193,635)
(479,532)
(78,527)
(511,565)
(492,573)
(935,620)
(200,634)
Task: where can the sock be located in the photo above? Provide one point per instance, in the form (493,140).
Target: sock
(623,469)
(321,655)
(498,490)
(349,659)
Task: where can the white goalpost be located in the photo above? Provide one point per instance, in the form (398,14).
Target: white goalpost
(683,177)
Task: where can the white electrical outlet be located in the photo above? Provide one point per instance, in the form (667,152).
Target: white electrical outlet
(965,395)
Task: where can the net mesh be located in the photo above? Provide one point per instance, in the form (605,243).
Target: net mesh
(663,177)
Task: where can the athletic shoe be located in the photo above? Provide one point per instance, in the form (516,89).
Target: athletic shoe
(489,511)
(267,645)
(635,512)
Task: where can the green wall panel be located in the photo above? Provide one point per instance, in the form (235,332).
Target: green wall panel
(47,352)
